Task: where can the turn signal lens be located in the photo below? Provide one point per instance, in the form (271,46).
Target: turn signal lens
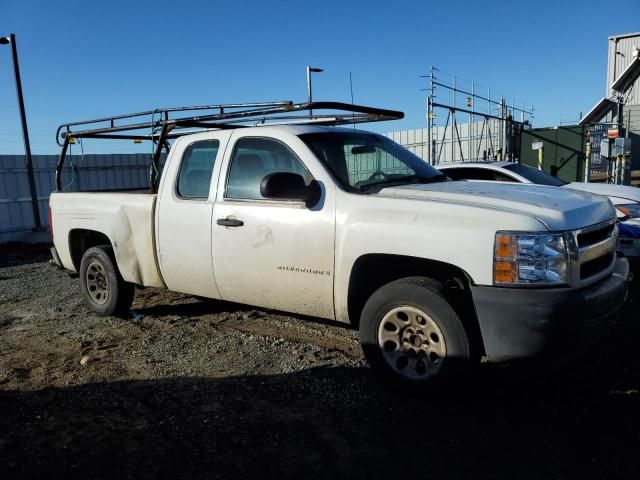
(505,246)
(505,272)
(630,210)
(624,210)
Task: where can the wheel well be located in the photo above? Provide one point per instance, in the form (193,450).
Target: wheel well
(372,271)
(82,240)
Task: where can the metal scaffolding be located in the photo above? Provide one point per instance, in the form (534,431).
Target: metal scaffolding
(492,131)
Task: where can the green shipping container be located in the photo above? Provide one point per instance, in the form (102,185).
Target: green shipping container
(564,150)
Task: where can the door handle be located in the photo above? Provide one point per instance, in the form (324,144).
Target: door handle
(230,222)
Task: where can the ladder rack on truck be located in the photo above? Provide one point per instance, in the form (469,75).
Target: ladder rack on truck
(162,126)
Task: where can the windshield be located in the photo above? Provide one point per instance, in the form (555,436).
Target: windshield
(535,176)
(367,161)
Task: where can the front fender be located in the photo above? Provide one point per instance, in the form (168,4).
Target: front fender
(458,235)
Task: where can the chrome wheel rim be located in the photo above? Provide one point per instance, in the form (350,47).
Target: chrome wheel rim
(97,283)
(411,343)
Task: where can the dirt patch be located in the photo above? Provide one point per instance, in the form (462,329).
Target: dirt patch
(202,389)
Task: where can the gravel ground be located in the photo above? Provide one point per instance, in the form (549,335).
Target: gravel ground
(201,389)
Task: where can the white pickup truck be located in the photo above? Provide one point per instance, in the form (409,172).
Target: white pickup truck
(346,225)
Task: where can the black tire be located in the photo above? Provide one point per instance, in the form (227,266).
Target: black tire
(102,286)
(446,362)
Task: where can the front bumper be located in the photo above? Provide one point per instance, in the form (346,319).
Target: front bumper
(529,322)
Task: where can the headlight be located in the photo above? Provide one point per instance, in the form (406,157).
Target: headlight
(630,210)
(530,259)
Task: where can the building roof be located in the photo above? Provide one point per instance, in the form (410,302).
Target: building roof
(624,35)
(627,78)
(597,112)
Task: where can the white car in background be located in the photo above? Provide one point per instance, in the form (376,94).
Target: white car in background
(625,199)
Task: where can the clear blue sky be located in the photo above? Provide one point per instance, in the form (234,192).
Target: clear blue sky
(82,59)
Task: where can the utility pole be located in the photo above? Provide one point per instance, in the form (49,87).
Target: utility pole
(587,159)
(11,39)
(541,159)
(311,70)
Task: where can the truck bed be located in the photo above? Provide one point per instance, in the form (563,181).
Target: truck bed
(126,217)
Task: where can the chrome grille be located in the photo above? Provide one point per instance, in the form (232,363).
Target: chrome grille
(593,252)
(588,238)
(595,266)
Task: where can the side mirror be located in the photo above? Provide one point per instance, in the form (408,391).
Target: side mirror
(290,186)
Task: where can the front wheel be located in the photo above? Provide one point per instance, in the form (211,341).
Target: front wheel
(102,285)
(412,336)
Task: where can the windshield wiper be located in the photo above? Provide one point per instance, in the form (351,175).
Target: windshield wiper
(403,179)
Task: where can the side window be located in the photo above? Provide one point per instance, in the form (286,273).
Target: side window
(196,168)
(253,159)
(480,174)
(469,173)
(455,173)
(501,177)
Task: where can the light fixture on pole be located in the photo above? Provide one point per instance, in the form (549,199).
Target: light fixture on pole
(11,40)
(311,70)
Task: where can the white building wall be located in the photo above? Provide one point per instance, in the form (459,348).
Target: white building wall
(617,63)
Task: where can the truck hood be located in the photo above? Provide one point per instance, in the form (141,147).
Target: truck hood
(618,194)
(557,208)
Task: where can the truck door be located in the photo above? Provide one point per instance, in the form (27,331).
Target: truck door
(184,208)
(274,254)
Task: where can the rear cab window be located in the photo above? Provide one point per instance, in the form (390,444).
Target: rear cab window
(196,168)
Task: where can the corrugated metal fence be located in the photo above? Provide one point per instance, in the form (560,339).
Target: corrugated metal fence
(90,172)
(452,145)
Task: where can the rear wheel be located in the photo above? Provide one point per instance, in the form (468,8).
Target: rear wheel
(412,336)
(105,292)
